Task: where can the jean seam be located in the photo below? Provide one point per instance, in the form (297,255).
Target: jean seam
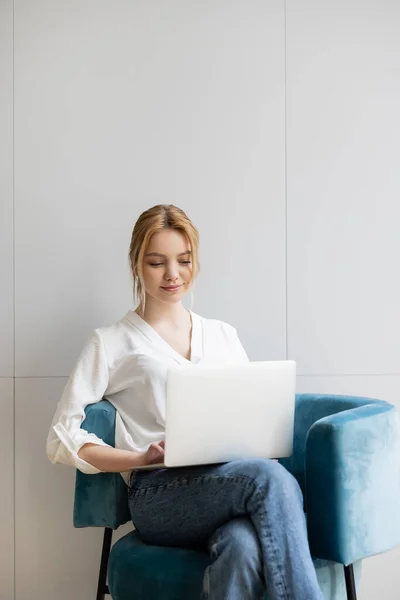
(268,537)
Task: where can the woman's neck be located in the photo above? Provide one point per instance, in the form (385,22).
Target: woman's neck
(175,315)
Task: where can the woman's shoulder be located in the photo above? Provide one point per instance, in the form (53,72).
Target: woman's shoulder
(114,333)
(224,337)
(217,325)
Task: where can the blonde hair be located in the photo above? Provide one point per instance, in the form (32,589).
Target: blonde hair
(153,220)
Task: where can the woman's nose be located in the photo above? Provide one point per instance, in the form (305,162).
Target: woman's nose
(172,273)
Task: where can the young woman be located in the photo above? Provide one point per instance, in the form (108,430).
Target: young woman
(248,513)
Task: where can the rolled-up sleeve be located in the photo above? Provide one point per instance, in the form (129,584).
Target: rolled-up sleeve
(86,385)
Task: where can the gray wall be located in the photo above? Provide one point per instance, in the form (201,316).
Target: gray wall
(276,130)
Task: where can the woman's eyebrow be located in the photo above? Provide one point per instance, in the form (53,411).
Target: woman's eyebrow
(164,256)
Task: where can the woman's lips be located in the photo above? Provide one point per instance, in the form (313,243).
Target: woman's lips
(172,288)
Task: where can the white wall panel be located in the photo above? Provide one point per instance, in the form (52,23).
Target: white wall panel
(127,104)
(343,183)
(6,189)
(53,560)
(7,490)
(381,576)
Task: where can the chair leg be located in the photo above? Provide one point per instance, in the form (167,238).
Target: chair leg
(102,588)
(350,583)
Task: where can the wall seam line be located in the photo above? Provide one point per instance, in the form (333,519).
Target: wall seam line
(13,317)
(285,186)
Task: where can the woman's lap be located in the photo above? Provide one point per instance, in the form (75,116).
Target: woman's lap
(184,506)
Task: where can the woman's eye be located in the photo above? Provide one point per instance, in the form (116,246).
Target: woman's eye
(182,262)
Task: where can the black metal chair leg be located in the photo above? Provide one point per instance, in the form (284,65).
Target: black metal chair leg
(102,588)
(350,583)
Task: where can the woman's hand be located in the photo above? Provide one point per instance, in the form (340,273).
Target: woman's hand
(154,454)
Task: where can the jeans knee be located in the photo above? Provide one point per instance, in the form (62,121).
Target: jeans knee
(272,475)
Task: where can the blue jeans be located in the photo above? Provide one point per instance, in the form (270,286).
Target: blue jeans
(248,513)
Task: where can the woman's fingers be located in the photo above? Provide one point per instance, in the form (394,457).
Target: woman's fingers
(159,447)
(155,453)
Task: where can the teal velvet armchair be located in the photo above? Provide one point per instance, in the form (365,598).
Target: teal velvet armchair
(346,458)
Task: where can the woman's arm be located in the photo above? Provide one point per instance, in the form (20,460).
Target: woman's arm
(114,460)
(68,443)
(86,385)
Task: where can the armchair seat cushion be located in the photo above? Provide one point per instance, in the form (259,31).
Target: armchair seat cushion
(144,572)
(137,570)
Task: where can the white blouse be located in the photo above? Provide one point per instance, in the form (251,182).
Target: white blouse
(127,364)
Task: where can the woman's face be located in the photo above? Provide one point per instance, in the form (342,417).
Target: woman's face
(167,264)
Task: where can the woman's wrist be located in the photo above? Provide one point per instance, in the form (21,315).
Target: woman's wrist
(138,459)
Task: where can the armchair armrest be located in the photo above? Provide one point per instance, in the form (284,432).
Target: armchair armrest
(100,500)
(352,481)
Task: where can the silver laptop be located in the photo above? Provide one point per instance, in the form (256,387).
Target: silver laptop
(222,413)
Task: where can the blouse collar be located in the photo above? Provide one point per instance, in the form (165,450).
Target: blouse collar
(196,346)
